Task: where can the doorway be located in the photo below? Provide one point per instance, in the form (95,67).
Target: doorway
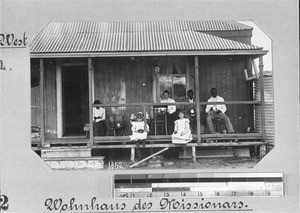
(75,99)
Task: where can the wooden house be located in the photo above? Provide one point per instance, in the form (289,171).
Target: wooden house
(127,65)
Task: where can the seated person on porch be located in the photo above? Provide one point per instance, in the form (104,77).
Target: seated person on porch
(217,111)
(99,119)
(140,130)
(171,115)
(190,113)
(182,133)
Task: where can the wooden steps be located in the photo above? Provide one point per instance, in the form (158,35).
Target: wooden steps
(65,152)
(90,163)
(74,158)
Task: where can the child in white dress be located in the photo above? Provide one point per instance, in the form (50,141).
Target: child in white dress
(140,131)
(182,132)
(139,128)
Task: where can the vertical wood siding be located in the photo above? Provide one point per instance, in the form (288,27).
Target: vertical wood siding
(226,74)
(35,93)
(130,80)
(50,99)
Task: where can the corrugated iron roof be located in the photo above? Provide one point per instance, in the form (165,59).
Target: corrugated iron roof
(84,37)
(143,26)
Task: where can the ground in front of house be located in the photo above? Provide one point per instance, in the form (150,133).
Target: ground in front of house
(118,160)
(212,163)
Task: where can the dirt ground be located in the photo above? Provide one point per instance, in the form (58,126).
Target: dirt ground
(120,159)
(201,163)
(213,163)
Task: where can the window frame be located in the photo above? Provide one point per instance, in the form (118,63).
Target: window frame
(159,93)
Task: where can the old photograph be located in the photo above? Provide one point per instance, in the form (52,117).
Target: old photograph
(149,106)
(136,94)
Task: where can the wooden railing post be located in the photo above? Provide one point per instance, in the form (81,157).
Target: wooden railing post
(59,98)
(262,96)
(144,112)
(197,91)
(42,103)
(90,74)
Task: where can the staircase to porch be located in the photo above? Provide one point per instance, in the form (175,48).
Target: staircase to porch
(71,158)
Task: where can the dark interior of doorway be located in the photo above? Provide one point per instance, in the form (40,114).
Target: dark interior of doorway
(75,99)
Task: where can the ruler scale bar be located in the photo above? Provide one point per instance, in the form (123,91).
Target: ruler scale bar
(199,185)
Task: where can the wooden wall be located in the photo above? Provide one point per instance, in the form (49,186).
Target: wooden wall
(226,74)
(50,100)
(50,97)
(131,80)
(35,93)
(122,80)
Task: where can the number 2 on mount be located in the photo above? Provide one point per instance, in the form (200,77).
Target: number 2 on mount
(3,202)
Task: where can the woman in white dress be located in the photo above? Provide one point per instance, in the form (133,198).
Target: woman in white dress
(182,132)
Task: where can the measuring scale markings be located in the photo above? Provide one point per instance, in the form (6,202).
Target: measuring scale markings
(199,185)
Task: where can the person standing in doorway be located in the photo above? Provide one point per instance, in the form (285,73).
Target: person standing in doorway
(217,111)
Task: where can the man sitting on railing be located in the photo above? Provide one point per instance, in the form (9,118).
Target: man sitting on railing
(217,111)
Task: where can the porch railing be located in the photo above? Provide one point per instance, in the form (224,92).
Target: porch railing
(177,104)
(144,105)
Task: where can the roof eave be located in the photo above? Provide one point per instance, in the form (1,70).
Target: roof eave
(254,53)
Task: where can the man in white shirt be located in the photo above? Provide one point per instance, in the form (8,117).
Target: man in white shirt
(99,119)
(217,111)
(171,115)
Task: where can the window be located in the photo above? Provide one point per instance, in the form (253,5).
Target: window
(175,84)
